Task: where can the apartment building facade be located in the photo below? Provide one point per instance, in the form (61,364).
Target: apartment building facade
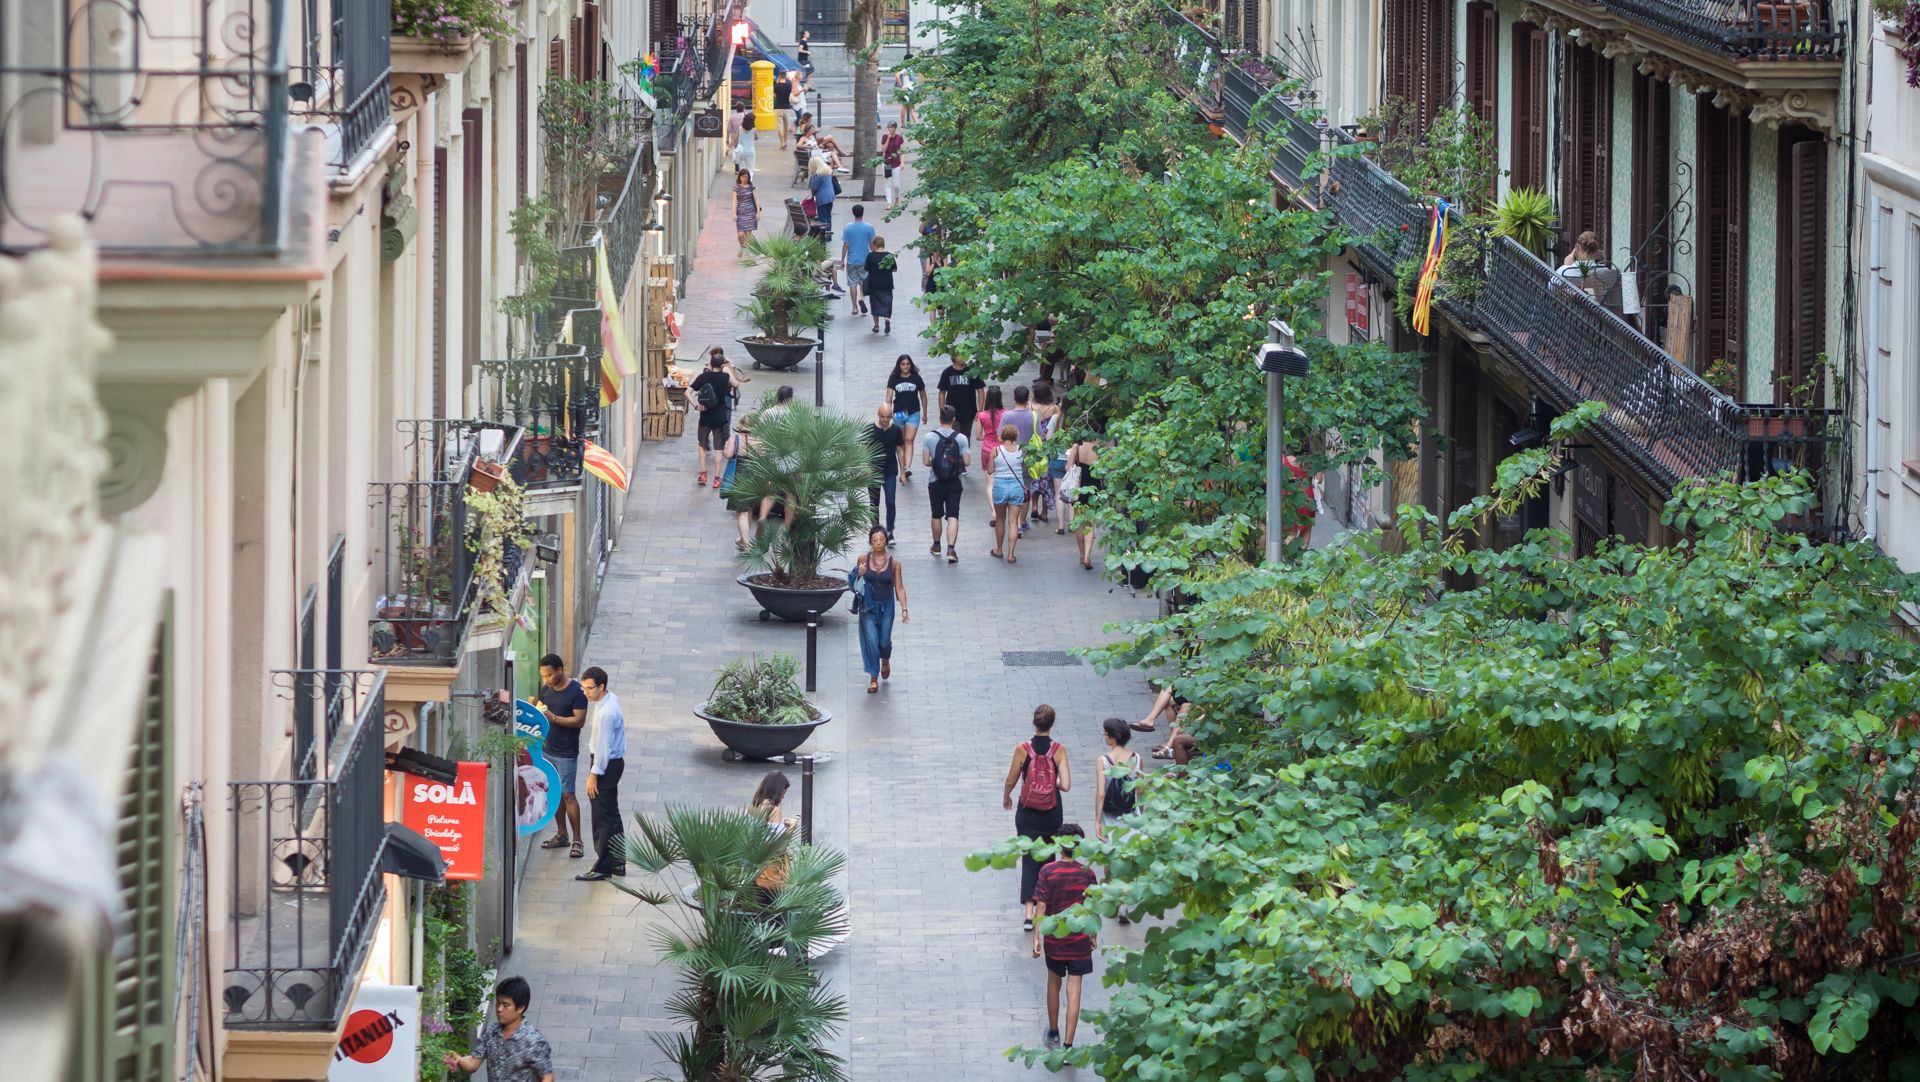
(273,241)
(1707,148)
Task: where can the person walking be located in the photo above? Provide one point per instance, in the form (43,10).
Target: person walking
(855,240)
(944,452)
(508,1047)
(1046,419)
(905,392)
(738,446)
(1113,798)
(1041,768)
(711,396)
(820,182)
(1009,494)
(746,153)
(1021,416)
(903,85)
(887,440)
(881,585)
(880,267)
(783,108)
(606,763)
(1062,885)
(993,410)
(564,706)
(893,163)
(960,389)
(746,206)
(1083,477)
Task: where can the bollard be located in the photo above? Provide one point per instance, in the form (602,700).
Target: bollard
(820,368)
(813,645)
(806,800)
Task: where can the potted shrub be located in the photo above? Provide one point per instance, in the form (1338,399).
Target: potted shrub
(818,467)
(1527,216)
(757,709)
(745,905)
(785,298)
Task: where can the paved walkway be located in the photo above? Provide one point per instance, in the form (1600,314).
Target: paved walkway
(937,970)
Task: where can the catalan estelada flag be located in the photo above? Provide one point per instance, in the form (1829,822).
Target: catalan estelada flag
(1430,268)
(602,463)
(616,356)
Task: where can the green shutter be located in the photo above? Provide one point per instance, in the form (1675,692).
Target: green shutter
(126,1025)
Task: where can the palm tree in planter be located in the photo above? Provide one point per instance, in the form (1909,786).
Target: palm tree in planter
(747,906)
(757,708)
(785,298)
(819,467)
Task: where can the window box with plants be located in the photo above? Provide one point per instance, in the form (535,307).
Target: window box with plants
(498,535)
(814,469)
(757,708)
(439,37)
(785,299)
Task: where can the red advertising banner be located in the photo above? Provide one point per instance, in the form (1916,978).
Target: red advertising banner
(453,817)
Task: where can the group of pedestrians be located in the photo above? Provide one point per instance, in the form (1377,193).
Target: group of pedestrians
(573,709)
(869,267)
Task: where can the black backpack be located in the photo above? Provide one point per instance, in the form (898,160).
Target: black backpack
(948,462)
(706,395)
(1119,798)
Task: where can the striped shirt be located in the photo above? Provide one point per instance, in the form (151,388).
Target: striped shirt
(1062,885)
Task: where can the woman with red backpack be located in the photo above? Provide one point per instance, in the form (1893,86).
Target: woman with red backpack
(1040,766)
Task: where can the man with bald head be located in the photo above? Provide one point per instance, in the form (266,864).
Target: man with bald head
(886,439)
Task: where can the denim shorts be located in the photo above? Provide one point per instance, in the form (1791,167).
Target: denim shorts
(569,770)
(1008,490)
(905,419)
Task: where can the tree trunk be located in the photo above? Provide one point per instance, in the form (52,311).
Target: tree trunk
(863,46)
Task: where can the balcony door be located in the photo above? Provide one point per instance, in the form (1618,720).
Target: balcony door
(1586,147)
(1653,198)
(1529,166)
(1722,250)
(1419,57)
(1800,325)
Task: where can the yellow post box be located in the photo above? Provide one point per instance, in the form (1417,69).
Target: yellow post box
(763,115)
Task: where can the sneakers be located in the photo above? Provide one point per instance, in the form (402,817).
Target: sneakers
(700,480)
(1053,1038)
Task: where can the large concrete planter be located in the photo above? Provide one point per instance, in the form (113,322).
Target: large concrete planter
(779,356)
(790,604)
(760,741)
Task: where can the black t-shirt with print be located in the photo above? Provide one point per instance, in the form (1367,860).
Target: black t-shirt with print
(963,394)
(906,392)
(563,741)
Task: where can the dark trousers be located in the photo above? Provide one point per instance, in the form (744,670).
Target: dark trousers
(1033,823)
(606,819)
(889,487)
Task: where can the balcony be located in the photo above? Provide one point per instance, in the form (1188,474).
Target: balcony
(343,82)
(1387,224)
(555,401)
(306,885)
(1745,30)
(422,566)
(1196,65)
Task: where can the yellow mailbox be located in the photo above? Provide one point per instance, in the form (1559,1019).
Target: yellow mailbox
(763,115)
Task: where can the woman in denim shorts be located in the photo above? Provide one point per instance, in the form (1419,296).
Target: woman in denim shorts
(1009,492)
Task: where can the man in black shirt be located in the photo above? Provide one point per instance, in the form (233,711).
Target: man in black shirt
(886,439)
(711,397)
(783,108)
(565,707)
(961,390)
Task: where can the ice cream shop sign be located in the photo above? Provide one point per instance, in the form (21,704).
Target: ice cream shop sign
(452,816)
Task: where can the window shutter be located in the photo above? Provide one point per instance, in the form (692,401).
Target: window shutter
(1437,64)
(1586,144)
(473,158)
(591,40)
(522,121)
(438,395)
(1723,220)
(658,29)
(556,58)
(576,38)
(1536,46)
(1801,312)
(1400,59)
(1483,37)
(1250,27)
(1652,172)
(126,1031)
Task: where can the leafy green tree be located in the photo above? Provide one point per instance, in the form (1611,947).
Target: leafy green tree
(1647,813)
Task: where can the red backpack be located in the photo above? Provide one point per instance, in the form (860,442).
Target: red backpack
(1041,788)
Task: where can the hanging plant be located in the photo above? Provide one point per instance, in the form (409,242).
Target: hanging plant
(499,525)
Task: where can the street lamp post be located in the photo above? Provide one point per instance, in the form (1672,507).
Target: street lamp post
(1278,359)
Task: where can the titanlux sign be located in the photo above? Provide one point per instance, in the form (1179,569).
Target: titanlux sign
(381,1042)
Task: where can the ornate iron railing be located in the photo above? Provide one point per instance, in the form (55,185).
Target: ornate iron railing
(306,883)
(1659,414)
(1195,63)
(349,87)
(422,565)
(1386,221)
(555,401)
(1744,29)
(167,133)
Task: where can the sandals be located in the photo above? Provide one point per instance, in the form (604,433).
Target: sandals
(716,481)
(558,841)
(886,668)
(1027,925)
(997,554)
(1141,727)
(1164,751)
(873,685)
(1013,559)
(576,853)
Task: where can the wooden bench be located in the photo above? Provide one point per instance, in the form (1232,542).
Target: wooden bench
(802,225)
(801,160)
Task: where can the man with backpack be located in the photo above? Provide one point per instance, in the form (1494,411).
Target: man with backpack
(944,452)
(1063,885)
(1040,768)
(711,396)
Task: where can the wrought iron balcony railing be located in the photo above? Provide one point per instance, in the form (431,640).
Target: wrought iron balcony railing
(1386,221)
(1789,30)
(167,130)
(345,87)
(555,401)
(1195,63)
(306,884)
(422,566)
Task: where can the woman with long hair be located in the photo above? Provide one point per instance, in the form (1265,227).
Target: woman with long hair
(881,584)
(906,392)
(1082,461)
(738,446)
(1009,492)
(1041,768)
(746,206)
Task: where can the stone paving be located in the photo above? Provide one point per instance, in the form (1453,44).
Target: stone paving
(936,971)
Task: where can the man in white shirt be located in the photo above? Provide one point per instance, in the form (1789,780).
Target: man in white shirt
(607,760)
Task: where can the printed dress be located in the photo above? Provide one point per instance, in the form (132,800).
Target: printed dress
(746,209)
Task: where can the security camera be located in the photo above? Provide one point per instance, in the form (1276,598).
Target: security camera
(1282,358)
